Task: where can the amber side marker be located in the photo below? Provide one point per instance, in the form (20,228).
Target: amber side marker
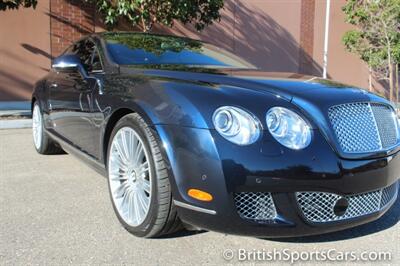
(200,195)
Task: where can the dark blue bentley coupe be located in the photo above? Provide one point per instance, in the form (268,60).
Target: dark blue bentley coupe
(190,135)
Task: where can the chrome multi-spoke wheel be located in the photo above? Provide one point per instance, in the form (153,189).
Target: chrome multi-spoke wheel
(37,127)
(42,142)
(130,176)
(138,179)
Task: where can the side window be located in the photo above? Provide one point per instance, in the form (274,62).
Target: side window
(96,62)
(87,52)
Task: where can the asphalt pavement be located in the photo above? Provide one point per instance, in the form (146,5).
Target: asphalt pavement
(55,210)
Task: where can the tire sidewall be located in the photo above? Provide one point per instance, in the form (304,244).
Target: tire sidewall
(42,137)
(146,226)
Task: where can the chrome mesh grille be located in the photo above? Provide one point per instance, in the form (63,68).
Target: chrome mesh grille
(364,127)
(385,120)
(318,207)
(388,194)
(257,206)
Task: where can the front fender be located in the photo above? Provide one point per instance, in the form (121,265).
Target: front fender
(188,104)
(39,94)
(193,162)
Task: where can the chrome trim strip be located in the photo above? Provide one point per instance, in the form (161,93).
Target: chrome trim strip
(194,208)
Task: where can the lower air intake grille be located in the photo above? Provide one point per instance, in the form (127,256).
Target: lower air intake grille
(319,207)
(388,194)
(256,206)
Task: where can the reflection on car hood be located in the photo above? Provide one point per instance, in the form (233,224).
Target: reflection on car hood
(287,85)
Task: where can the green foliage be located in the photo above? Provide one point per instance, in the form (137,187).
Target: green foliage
(377,36)
(15,4)
(146,13)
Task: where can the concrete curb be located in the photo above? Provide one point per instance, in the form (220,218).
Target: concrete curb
(15,113)
(17,123)
(17,110)
(15,105)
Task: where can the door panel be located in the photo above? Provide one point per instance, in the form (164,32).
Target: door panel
(71,104)
(71,98)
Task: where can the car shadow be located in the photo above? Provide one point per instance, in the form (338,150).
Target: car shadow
(183,233)
(388,220)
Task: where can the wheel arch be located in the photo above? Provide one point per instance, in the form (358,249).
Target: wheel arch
(33,100)
(39,94)
(113,120)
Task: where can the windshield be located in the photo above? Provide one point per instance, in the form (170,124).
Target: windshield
(146,49)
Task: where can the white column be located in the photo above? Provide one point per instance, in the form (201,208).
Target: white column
(326,39)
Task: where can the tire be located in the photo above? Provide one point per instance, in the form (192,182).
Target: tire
(42,142)
(141,176)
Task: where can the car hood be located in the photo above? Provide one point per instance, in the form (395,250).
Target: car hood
(312,95)
(291,86)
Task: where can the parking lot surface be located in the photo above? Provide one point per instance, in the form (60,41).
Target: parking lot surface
(56,210)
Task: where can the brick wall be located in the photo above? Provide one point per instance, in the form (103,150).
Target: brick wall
(24,50)
(307,37)
(69,21)
(275,35)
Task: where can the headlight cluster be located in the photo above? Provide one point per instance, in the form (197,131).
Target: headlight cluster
(237,125)
(243,128)
(288,128)
(398,128)
(397,122)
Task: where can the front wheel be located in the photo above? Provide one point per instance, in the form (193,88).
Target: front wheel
(138,180)
(43,144)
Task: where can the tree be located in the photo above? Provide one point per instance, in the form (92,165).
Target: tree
(146,13)
(15,4)
(376,38)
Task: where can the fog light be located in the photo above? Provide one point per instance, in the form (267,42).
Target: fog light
(341,207)
(200,195)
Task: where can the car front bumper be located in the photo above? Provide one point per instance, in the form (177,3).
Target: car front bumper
(202,159)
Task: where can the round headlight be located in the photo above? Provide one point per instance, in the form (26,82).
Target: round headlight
(237,125)
(289,128)
(397,122)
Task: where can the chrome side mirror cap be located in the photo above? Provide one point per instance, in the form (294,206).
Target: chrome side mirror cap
(67,63)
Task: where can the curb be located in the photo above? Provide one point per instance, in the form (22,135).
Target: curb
(15,124)
(15,113)
(15,105)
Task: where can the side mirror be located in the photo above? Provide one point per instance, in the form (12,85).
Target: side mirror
(68,63)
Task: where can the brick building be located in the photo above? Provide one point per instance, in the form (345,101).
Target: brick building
(286,35)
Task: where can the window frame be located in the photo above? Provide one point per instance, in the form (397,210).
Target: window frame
(95,49)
